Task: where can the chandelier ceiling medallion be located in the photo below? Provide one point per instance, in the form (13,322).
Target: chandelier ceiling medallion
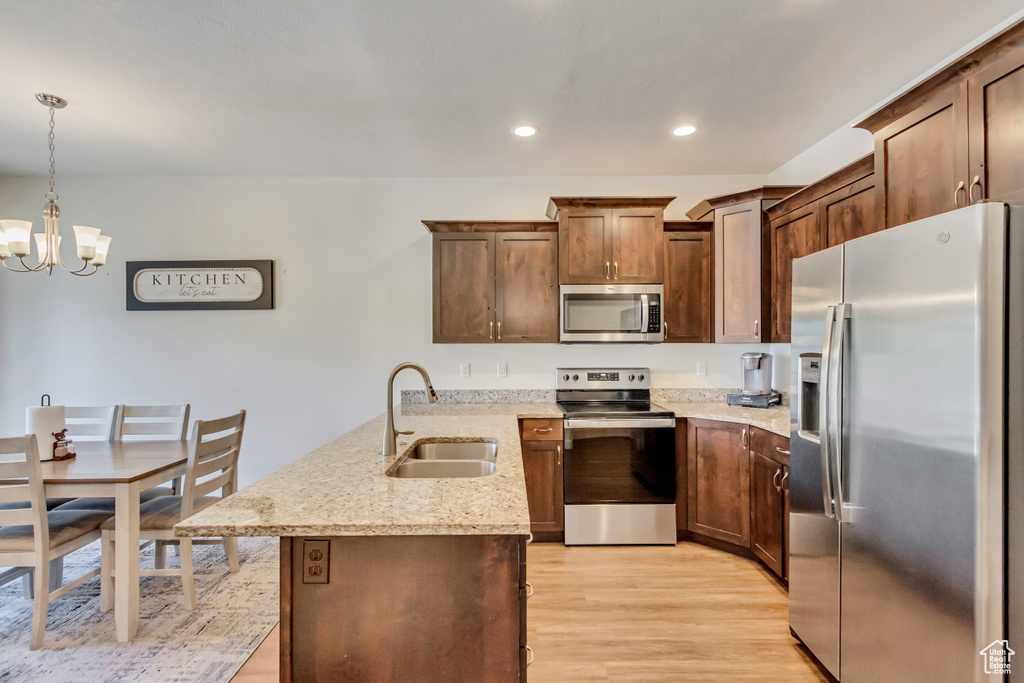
(16,235)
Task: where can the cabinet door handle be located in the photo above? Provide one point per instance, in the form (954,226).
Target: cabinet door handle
(783,451)
(775,481)
(607,270)
(956,195)
(490,334)
(499,330)
(529,651)
(558,452)
(785,477)
(744,438)
(539,430)
(756,325)
(616,270)
(529,590)
(970,193)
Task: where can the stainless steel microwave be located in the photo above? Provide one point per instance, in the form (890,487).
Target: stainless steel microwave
(611,314)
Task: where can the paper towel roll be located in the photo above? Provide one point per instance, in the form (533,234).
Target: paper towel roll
(43,421)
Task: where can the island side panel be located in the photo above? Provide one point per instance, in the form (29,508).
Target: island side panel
(404,608)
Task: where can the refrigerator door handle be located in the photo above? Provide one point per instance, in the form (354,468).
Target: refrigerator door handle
(824,409)
(835,389)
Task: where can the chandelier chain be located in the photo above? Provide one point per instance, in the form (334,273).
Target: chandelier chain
(51,194)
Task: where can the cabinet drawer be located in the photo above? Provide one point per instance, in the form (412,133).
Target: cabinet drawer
(542,429)
(770,445)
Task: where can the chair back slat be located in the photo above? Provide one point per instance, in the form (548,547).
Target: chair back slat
(211,451)
(90,423)
(207,486)
(16,493)
(17,469)
(151,423)
(17,517)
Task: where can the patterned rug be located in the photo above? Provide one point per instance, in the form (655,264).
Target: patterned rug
(235,613)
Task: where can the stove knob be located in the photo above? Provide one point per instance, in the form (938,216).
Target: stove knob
(575,378)
(565,378)
(632,377)
(641,378)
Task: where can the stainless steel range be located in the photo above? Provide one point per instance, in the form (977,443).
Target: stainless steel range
(619,458)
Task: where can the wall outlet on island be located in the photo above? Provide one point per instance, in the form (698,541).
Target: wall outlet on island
(702,367)
(502,369)
(463,370)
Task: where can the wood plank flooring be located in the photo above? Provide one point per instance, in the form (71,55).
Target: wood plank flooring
(650,614)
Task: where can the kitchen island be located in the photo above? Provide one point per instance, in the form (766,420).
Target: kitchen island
(395,579)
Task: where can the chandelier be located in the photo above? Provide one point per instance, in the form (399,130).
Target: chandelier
(16,235)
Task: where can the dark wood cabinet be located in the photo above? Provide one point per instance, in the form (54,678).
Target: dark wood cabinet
(718,480)
(495,287)
(829,212)
(996,139)
(738,272)
(610,239)
(541,441)
(769,515)
(526,287)
(463,288)
(682,487)
(688,276)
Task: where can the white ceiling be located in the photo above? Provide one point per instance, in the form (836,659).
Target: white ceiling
(432,87)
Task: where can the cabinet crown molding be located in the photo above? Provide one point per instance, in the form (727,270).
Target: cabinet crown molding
(491,226)
(556,203)
(861,168)
(702,210)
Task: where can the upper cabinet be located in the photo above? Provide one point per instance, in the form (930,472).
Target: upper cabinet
(495,286)
(955,139)
(688,306)
(610,240)
(742,262)
(833,210)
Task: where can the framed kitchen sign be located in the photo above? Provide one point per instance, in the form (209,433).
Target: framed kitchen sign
(199,285)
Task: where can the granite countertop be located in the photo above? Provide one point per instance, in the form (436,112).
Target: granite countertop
(341,488)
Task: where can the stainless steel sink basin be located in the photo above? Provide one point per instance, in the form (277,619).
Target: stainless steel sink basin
(452,450)
(449,460)
(443,469)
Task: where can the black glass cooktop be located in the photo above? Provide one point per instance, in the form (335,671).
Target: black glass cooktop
(622,409)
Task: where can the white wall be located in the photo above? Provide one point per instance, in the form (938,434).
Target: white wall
(352,278)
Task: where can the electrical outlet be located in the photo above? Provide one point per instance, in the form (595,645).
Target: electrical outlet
(463,370)
(702,367)
(502,369)
(316,561)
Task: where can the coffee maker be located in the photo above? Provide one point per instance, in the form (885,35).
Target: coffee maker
(757,391)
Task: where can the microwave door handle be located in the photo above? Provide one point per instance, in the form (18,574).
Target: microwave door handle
(645,313)
(824,409)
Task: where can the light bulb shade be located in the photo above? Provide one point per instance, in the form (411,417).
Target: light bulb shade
(85,238)
(17,233)
(43,248)
(102,247)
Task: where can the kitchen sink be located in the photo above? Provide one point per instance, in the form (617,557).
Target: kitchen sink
(449,460)
(443,469)
(456,450)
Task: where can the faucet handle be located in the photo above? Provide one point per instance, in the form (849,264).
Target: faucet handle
(405,433)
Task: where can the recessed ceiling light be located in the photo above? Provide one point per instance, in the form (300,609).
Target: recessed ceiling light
(524,131)
(684,130)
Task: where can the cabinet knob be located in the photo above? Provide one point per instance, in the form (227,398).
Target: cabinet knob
(956,195)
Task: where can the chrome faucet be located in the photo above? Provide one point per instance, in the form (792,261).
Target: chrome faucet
(390,435)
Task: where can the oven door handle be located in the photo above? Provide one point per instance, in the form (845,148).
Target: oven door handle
(639,423)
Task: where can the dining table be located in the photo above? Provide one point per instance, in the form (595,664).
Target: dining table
(122,470)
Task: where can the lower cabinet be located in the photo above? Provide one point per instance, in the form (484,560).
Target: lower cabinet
(541,441)
(718,480)
(769,516)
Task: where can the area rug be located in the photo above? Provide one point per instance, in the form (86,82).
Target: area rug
(235,613)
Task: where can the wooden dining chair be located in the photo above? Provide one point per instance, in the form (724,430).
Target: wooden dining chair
(212,465)
(90,423)
(31,537)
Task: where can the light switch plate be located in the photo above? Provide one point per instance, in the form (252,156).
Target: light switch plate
(702,367)
(463,370)
(316,561)
(502,369)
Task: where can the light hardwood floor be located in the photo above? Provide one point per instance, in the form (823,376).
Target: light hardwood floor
(650,614)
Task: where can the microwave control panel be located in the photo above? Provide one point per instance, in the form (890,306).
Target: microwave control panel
(654,317)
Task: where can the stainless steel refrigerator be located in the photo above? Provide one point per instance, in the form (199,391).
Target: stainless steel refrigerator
(906,449)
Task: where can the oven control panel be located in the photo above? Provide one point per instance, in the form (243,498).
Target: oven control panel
(603,378)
